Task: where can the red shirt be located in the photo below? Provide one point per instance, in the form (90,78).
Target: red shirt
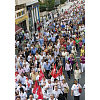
(74,42)
(65,45)
(38,28)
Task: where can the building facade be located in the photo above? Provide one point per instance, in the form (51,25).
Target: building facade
(21,17)
(27,14)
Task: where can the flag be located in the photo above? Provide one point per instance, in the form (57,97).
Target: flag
(27,82)
(16,73)
(53,72)
(59,72)
(35,87)
(41,75)
(15,79)
(35,61)
(39,93)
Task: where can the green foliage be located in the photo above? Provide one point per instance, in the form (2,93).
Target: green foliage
(62,1)
(48,5)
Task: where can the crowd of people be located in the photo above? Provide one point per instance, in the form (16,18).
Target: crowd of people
(41,60)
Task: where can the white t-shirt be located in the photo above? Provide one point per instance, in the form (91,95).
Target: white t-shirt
(30,82)
(56,93)
(43,82)
(41,57)
(50,89)
(64,53)
(23,95)
(18,88)
(42,64)
(58,85)
(22,79)
(61,78)
(63,85)
(27,36)
(75,89)
(29,58)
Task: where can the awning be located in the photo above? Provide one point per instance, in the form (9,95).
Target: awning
(21,19)
(17,29)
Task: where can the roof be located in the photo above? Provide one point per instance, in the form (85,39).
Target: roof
(17,29)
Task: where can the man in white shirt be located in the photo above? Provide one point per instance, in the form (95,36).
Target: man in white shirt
(29,89)
(26,69)
(22,78)
(52,97)
(41,57)
(49,87)
(31,97)
(75,89)
(56,92)
(42,63)
(20,85)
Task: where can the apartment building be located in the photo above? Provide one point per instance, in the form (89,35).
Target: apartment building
(26,13)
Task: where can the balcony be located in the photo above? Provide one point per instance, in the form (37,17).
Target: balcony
(19,2)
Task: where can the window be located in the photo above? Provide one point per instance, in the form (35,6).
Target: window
(17,14)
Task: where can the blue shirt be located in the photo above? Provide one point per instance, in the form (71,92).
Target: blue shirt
(53,38)
(63,26)
(35,69)
(21,64)
(47,67)
(74,27)
(44,33)
(51,27)
(64,34)
(33,51)
(83,40)
(68,47)
(41,41)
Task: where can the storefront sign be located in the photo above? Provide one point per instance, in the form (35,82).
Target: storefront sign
(19,20)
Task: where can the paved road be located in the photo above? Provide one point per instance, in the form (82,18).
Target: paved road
(82,81)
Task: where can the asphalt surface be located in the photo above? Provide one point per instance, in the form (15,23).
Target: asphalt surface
(70,83)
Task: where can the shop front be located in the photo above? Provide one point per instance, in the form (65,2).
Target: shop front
(33,15)
(21,22)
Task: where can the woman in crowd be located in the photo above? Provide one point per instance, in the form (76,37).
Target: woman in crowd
(82,61)
(71,59)
(82,50)
(64,85)
(68,68)
(77,74)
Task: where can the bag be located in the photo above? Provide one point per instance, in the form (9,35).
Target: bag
(74,61)
(66,89)
(80,90)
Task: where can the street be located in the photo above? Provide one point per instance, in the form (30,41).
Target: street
(82,81)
